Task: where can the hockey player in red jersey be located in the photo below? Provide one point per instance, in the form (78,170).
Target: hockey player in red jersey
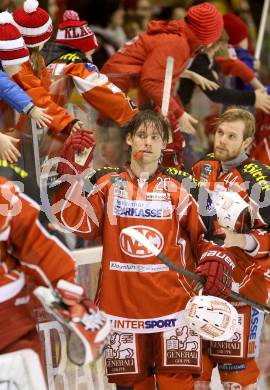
(144,299)
(141,64)
(229,171)
(28,253)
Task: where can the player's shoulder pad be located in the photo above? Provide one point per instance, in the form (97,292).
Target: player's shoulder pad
(256,173)
(197,190)
(104,171)
(209,157)
(12,172)
(182,176)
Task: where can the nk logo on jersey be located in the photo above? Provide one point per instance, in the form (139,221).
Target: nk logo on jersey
(133,248)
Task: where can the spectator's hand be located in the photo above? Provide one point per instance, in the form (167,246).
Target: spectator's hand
(77,126)
(186,124)
(39,115)
(8,150)
(203,82)
(262,101)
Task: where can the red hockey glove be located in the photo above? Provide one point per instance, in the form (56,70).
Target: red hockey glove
(178,142)
(216,267)
(88,326)
(173,118)
(78,151)
(173,154)
(262,125)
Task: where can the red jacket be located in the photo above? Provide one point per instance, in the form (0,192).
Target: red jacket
(74,69)
(38,89)
(142,62)
(235,67)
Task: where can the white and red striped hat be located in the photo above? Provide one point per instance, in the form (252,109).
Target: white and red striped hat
(12,46)
(34,23)
(76,33)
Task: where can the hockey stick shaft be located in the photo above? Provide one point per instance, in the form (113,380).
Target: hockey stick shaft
(155,251)
(193,276)
(167,86)
(261,32)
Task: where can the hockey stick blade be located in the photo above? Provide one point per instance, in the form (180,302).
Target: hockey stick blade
(135,234)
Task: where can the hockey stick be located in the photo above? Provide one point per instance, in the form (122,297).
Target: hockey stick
(167,86)
(167,89)
(133,233)
(261,32)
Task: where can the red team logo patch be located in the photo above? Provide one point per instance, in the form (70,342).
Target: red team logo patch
(133,248)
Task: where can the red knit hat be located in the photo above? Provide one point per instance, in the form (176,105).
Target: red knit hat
(76,33)
(12,47)
(235,28)
(34,23)
(206,22)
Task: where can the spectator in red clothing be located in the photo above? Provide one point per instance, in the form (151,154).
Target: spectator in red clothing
(143,61)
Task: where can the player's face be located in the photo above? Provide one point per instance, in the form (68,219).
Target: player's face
(148,140)
(229,140)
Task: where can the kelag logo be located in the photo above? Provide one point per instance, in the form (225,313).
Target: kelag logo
(133,248)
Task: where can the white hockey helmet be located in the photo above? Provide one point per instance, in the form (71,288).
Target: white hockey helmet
(211,317)
(233,211)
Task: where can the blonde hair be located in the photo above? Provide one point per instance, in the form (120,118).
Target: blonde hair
(35,58)
(219,47)
(233,114)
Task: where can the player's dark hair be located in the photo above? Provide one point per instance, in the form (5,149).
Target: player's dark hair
(144,118)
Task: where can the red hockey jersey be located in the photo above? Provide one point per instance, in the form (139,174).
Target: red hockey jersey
(251,180)
(171,209)
(26,247)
